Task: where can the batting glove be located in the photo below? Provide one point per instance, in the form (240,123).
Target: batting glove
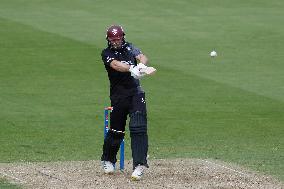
(135,72)
(141,66)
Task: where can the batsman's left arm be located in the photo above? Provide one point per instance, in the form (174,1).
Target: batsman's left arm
(142,59)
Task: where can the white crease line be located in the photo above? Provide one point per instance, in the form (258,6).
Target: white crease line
(15,178)
(245,174)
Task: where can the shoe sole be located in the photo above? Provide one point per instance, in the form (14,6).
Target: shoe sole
(109,173)
(135,178)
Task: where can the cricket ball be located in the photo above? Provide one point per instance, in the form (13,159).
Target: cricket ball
(213,54)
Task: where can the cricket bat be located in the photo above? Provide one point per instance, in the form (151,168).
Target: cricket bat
(148,70)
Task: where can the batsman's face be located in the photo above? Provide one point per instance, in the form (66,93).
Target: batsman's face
(116,43)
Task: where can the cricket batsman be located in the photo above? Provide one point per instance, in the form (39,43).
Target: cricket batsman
(123,62)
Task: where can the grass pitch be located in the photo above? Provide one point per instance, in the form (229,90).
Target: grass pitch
(54,87)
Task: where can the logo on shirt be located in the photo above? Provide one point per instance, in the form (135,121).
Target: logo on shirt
(108,59)
(127,62)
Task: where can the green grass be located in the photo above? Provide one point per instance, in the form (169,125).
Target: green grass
(4,184)
(54,87)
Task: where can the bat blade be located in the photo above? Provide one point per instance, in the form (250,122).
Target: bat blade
(148,70)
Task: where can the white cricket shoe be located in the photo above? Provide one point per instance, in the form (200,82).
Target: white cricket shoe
(108,167)
(138,173)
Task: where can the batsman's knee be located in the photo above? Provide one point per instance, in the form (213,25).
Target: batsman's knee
(138,122)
